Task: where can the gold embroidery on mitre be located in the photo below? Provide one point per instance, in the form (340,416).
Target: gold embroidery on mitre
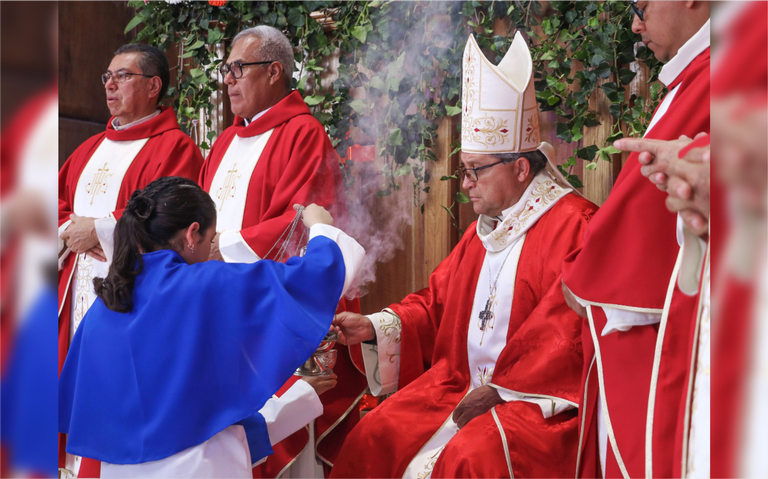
(532,129)
(489,131)
(468,91)
(230,187)
(99,184)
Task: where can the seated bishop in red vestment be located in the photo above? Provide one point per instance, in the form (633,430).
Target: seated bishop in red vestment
(487,359)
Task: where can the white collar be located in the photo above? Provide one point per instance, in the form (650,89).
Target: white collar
(119,127)
(687,53)
(543,192)
(257,116)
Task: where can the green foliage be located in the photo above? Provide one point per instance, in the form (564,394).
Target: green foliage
(400,66)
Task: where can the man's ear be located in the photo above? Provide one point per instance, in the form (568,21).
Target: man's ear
(155,84)
(275,72)
(523,168)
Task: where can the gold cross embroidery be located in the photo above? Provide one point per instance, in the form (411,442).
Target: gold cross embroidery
(230,188)
(99,183)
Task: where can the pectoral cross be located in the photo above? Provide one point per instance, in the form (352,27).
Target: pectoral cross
(229,188)
(486,318)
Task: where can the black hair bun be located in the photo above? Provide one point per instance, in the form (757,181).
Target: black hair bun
(141,207)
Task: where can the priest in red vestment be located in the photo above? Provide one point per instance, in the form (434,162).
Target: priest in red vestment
(621,278)
(487,359)
(142,142)
(274,156)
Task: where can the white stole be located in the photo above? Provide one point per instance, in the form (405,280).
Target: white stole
(229,188)
(96,196)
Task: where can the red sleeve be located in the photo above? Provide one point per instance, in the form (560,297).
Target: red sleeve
(421,314)
(304,169)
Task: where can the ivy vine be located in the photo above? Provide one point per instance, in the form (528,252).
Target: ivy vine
(399,68)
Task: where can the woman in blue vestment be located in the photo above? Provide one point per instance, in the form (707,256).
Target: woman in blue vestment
(169,367)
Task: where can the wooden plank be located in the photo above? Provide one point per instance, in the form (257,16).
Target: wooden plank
(598,182)
(73,132)
(90,32)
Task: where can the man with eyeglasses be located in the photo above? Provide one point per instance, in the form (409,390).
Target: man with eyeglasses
(142,142)
(486,360)
(274,156)
(620,280)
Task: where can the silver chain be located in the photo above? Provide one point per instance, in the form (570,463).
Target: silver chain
(286,240)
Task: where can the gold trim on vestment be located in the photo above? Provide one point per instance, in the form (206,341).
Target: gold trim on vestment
(691,373)
(656,366)
(333,426)
(503,441)
(601,379)
(583,417)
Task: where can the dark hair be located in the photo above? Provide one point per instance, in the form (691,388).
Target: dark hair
(152,219)
(152,61)
(536,158)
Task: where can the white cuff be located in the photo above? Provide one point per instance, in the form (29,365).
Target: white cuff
(292,411)
(105,230)
(549,406)
(623,320)
(63,250)
(382,361)
(694,250)
(234,249)
(351,250)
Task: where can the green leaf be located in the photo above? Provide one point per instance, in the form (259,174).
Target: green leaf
(360,106)
(403,170)
(461,197)
(611,150)
(452,110)
(360,33)
(314,100)
(626,76)
(590,166)
(396,137)
(196,45)
(296,17)
(587,153)
(134,22)
(448,177)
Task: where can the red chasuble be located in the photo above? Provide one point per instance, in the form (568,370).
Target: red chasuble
(626,262)
(298,165)
(168,152)
(542,357)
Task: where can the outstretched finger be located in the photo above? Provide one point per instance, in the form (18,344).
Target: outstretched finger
(639,144)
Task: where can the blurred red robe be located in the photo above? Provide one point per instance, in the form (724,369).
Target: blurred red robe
(626,263)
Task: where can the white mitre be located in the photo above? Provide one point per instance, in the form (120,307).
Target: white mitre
(499,109)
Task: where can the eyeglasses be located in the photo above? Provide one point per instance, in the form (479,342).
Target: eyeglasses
(640,13)
(121,76)
(471,173)
(236,68)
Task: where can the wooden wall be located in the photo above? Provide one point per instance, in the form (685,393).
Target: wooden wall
(89,34)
